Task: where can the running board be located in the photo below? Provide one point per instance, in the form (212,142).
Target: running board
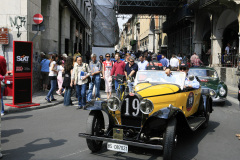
(196,122)
(131,143)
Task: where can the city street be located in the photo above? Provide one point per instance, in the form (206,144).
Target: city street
(52,133)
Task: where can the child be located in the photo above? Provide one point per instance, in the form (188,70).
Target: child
(60,69)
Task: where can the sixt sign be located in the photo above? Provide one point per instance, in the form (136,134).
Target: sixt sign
(22,58)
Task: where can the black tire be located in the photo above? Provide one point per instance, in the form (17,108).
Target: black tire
(95,126)
(207,116)
(169,139)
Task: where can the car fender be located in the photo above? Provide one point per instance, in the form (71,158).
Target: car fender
(101,106)
(207,98)
(162,117)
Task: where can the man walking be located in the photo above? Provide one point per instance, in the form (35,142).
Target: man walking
(142,65)
(79,78)
(164,62)
(3,70)
(174,63)
(131,69)
(96,69)
(118,68)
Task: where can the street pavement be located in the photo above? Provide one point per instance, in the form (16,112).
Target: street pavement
(51,133)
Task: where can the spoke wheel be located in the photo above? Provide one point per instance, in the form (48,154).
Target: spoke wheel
(95,127)
(170,139)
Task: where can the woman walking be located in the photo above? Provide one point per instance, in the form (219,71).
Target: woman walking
(107,67)
(60,69)
(67,81)
(45,71)
(52,78)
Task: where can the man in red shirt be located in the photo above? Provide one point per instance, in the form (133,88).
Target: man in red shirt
(118,68)
(3,70)
(197,62)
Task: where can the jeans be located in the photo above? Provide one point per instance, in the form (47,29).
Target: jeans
(81,94)
(116,87)
(96,81)
(52,89)
(2,89)
(67,96)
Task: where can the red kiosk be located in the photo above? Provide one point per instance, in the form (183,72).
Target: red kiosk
(22,75)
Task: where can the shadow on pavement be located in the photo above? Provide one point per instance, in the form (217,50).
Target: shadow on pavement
(15,117)
(8,133)
(187,147)
(27,152)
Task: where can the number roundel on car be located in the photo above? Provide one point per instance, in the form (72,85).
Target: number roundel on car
(190,101)
(130,111)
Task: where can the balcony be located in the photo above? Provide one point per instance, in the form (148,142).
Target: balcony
(184,13)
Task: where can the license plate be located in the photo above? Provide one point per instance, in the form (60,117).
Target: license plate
(117,147)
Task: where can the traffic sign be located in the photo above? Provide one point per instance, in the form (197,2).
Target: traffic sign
(4,39)
(38,18)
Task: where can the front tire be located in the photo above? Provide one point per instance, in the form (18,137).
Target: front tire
(170,139)
(95,127)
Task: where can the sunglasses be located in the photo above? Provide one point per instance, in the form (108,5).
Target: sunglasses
(107,56)
(78,57)
(184,69)
(131,61)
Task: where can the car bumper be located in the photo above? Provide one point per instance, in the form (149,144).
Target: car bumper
(218,99)
(131,143)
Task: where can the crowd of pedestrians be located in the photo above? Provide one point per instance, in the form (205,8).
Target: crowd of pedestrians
(71,73)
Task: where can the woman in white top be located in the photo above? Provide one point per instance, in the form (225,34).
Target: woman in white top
(60,69)
(53,78)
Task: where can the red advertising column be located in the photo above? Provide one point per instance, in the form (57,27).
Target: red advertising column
(22,74)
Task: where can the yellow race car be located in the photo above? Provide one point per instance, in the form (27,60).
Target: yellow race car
(151,116)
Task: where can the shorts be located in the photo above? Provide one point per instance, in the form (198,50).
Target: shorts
(45,77)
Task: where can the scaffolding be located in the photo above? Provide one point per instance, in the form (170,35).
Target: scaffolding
(104,24)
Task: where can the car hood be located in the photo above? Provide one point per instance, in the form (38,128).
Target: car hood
(150,90)
(212,84)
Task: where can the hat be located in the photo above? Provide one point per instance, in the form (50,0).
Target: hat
(64,55)
(42,53)
(183,66)
(154,55)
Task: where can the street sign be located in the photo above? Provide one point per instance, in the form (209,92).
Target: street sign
(4,39)
(38,18)
(38,27)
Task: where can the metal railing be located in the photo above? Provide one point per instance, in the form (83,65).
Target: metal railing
(231,60)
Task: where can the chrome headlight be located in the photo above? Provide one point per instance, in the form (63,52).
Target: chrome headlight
(113,104)
(212,93)
(146,106)
(222,91)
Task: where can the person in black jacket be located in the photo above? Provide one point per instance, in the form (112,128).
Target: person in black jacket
(238,135)
(67,81)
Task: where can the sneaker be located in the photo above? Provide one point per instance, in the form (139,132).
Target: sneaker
(97,99)
(84,107)
(79,107)
(58,93)
(53,99)
(47,99)
(2,114)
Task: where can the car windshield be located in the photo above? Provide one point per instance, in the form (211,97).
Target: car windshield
(160,77)
(205,73)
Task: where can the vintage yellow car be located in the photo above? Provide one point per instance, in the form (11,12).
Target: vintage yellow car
(151,116)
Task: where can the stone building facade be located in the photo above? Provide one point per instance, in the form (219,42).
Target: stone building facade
(67,28)
(200,25)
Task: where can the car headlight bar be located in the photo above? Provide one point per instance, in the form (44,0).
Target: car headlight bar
(146,106)
(114,104)
(222,91)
